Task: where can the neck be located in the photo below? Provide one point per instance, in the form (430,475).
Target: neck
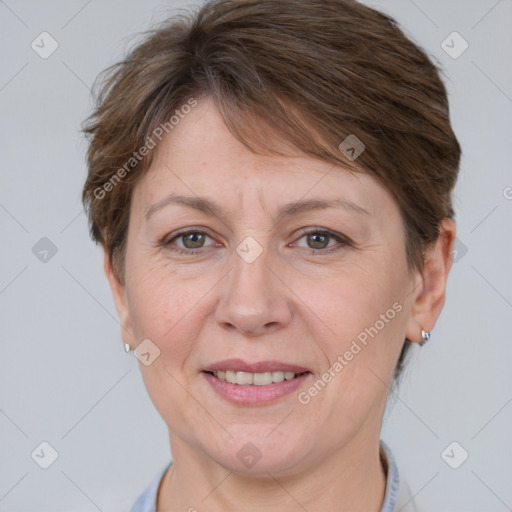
(351,479)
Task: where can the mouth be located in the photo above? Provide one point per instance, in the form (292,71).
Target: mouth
(255,383)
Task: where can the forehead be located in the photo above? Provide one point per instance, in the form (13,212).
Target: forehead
(200,157)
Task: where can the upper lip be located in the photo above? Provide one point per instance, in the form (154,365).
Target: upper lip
(239,365)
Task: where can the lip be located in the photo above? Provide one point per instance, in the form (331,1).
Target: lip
(255,395)
(239,365)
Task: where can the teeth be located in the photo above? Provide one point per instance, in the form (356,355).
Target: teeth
(262,379)
(278,376)
(243,378)
(256,379)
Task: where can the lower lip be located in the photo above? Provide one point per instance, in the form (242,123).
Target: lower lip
(255,395)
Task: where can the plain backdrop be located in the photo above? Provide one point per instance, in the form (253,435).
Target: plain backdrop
(64,377)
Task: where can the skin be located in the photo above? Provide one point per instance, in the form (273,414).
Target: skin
(299,302)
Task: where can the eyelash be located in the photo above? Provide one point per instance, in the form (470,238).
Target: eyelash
(342,241)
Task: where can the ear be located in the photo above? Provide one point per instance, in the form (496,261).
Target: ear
(430,289)
(119,294)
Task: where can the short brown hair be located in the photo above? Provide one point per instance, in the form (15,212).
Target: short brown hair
(313,71)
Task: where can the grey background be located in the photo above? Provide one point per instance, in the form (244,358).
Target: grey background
(64,377)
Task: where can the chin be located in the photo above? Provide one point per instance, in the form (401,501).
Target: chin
(257,465)
(257,452)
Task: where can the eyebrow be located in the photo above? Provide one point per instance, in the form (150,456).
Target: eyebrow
(210,207)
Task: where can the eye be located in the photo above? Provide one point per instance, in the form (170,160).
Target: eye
(191,240)
(323,240)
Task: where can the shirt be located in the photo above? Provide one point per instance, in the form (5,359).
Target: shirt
(398,497)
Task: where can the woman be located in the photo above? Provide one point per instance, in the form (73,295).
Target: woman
(271,184)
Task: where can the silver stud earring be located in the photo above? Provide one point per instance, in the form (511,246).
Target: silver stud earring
(425,336)
(127,348)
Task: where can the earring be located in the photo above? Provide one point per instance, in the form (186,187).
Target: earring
(425,336)
(127,348)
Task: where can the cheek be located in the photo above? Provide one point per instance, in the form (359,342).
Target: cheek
(360,321)
(166,309)
(351,298)
(161,306)
(158,294)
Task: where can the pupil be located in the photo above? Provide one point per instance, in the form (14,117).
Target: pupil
(196,240)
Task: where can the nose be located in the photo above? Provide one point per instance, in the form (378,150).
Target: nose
(253,299)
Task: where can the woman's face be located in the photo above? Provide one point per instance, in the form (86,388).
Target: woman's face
(289,265)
